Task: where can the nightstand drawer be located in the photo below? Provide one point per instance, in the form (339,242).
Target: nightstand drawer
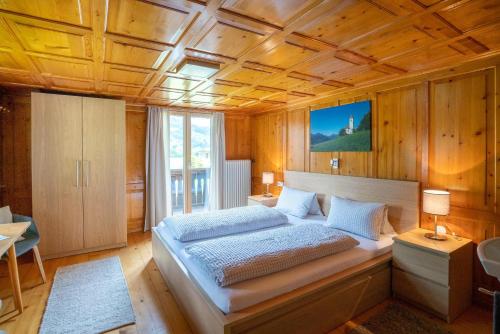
(421,291)
(424,264)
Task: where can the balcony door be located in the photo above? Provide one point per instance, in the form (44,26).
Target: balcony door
(190,164)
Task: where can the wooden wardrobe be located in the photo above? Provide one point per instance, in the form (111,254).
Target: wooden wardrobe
(78,173)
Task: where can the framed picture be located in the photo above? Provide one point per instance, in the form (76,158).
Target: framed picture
(346,128)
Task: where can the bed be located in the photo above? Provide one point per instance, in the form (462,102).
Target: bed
(314,297)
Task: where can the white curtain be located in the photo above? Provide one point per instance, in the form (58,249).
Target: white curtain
(158,198)
(217,160)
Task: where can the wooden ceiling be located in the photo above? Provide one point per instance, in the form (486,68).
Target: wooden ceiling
(271,52)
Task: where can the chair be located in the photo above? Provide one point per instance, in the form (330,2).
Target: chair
(31,240)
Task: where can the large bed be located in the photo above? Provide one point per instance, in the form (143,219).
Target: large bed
(313,297)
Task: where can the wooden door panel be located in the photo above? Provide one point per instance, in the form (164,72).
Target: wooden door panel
(458,139)
(104,172)
(56,130)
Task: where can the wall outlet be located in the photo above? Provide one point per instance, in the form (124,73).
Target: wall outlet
(335,163)
(280,184)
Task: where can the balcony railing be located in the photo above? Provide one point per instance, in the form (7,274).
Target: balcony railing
(200,180)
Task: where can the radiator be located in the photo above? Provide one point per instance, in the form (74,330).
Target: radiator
(236,183)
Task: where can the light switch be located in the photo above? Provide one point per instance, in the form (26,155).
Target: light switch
(335,163)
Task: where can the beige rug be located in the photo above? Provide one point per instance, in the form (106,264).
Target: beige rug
(90,297)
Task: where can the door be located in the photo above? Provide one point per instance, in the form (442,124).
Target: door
(56,152)
(104,172)
(189,149)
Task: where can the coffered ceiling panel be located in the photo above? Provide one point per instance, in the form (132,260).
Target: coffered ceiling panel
(221,88)
(64,67)
(166,94)
(388,43)
(124,90)
(365,75)
(259,93)
(123,74)
(19,78)
(489,37)
(48,40)
(427,58)
(70,84)
(118,52)
(147,20)
(7,60)
(227,40)
(323,88)
(6,39)
(284,98)
(348,21)
(69,11)
(263,54)
(238,101)
(275,12)
(325,67)
(247,75)
(179,83)
(204,98)
(285,55)
(289,83)
(470,14)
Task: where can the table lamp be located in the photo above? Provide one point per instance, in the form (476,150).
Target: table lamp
(267,179)
(437,203)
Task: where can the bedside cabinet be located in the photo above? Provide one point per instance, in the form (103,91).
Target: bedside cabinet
(261,200)
(435,275)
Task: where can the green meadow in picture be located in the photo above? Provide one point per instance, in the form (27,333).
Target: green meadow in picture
(345,128)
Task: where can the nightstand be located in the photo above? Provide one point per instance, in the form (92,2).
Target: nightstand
(435,275)
(261,200)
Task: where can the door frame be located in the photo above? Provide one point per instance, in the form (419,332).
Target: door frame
(186,163)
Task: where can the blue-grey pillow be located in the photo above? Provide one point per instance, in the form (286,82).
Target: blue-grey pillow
(362,218)
(295,202)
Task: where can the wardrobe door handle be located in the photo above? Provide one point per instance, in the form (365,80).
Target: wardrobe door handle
(87,172)
(77,173)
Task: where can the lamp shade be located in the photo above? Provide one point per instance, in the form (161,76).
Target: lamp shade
(268,178)
(436,202)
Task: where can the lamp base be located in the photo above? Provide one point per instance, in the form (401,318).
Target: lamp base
(437,237)
(267,195)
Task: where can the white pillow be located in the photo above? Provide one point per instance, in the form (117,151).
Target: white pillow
(361,218)
(5,215)
(295,202)
(315,208)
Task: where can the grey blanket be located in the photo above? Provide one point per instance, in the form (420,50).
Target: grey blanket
(213,224)
(236,258)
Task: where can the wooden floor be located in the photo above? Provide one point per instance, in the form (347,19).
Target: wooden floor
(154,306)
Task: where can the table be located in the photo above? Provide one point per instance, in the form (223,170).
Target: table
(13,231)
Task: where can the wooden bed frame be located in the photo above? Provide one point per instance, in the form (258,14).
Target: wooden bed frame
(320,306)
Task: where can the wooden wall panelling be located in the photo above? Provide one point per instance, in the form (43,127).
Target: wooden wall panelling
(458,139)
(15,143)
(397,133)
(136,122)
(296,139)
(268,133)
(440,129)
(238,144)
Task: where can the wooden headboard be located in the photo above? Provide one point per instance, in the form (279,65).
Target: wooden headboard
(402,197)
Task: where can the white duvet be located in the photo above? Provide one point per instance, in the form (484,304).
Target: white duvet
(203,225)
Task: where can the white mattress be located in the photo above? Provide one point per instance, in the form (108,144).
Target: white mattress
(244,294)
